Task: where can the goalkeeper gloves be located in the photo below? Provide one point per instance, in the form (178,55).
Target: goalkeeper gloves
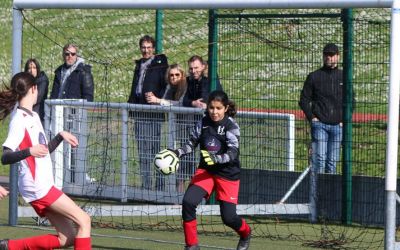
(210,159)
(176,152)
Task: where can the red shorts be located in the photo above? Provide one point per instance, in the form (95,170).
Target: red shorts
(226,190)
(42,204)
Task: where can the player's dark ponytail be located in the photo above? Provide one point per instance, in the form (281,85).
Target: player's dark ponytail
(231,109)
(221,96)
(10,95)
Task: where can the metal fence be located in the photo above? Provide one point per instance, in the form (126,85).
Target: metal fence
(118,142)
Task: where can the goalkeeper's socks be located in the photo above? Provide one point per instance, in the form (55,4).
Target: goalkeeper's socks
(190,230)
(82,244)
(244,230)
(48,241)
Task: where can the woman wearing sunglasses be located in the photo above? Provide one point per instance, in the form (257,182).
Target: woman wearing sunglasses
(176,88)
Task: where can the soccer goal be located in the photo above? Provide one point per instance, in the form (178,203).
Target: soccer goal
(261,63)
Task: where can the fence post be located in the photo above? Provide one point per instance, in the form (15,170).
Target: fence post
(212,48)
(212,61)
(159,31)
(16,67)
(13,204)
(124,155)
(347,15)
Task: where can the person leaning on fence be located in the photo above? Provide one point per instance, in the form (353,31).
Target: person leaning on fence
(148,80)
(199,86)
(175,78)
(322,102)
(73,79)
(217,134)
(32,66)
(173,96)
(26,143)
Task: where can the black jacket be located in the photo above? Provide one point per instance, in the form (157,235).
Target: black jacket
(197,89)
(154,79)
(42,82)
(79,84)
(322,95)
(221,139)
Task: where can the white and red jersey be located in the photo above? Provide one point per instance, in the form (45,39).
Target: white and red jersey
(35,175)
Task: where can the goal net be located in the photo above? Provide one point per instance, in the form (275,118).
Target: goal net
(263,57)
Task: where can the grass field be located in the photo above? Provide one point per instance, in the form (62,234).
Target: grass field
(143,239)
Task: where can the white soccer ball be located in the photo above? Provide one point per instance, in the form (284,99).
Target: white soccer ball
(166,162)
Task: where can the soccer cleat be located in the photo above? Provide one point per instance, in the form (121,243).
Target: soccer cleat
(4,244)
(244,243)
(194,247)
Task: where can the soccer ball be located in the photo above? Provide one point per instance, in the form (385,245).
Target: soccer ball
(166,162)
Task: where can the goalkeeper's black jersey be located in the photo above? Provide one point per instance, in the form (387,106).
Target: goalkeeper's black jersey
(220,138)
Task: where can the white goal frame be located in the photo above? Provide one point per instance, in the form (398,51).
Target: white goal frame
(393,109)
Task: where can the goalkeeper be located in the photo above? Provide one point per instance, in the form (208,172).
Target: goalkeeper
(219,169)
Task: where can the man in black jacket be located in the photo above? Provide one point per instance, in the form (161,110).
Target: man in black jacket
(73,79)
(322,102)
(149,77)
(198,84)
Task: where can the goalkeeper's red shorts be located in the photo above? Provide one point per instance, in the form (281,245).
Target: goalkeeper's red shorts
(226,190)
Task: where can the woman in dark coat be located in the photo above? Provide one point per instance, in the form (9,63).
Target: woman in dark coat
(32,66)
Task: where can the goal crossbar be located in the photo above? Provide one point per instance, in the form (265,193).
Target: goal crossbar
(199,4)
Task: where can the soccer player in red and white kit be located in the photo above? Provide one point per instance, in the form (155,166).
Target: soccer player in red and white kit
(219,169)
(26,143)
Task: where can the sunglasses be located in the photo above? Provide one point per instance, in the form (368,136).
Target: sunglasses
(177,74)
(69,54)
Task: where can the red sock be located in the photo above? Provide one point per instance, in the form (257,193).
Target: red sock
(82,244)
(244,230)
(190,230)
(48,241)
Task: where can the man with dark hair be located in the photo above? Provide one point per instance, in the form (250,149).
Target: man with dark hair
(149,77)
(73,79)
(322,102)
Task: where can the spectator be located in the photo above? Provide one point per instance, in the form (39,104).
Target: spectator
(176,89)
(148,79)
(199,86)
(73,79)
(32,66)
(322,102)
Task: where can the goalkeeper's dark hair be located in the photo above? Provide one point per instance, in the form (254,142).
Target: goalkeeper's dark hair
(221,96)
(10,95)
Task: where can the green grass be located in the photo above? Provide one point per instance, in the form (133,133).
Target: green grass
(121,239)
(146,232)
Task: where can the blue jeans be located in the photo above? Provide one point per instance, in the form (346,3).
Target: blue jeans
(326,140)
